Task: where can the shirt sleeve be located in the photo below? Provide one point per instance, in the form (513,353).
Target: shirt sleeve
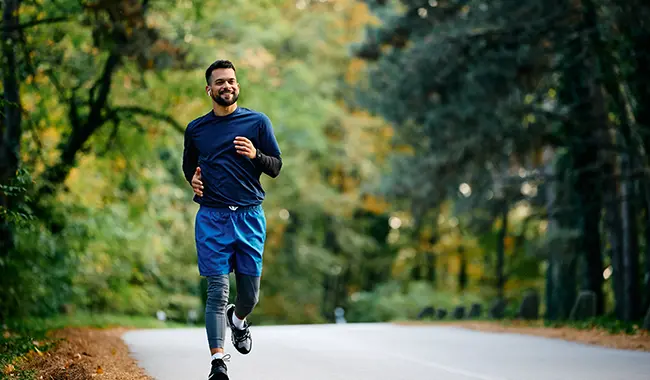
(269,155)
(268,144)
(190,156)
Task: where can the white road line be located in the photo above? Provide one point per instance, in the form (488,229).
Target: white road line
(456,371)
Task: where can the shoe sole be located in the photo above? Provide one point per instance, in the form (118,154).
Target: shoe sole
(237,348)
(219,376)
(245,352)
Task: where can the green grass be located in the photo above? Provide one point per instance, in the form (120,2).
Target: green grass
(613,326)
(13,346)
(94,321)
(19,337)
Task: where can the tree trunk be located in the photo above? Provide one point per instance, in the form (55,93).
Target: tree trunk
(10,134)
(552,227)
(638,34)
(593,259)
(630,252)
(646,276)
(633,158)
(566,267)
(585,128)
(462,272)
(613,231)
(501,255)
(11,131)
(431,262)
(589,168)
(416,270)
(564,250)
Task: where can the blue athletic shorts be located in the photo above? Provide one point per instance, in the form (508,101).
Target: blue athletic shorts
(230,240)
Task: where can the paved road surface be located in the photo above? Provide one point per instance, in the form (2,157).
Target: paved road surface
(384,352)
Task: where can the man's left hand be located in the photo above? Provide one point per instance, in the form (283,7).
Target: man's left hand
(245,147)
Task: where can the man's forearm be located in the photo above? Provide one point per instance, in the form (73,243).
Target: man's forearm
(189,166)
(270,165)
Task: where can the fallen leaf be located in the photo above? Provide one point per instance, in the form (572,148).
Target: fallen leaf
(9,368)
(114,351)
(99,370)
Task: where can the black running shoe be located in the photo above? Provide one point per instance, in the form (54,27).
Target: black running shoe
(241,338)
(219,370)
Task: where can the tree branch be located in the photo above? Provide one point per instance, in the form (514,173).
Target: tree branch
(53,20)
(135,110)
(56,174)
(112,116)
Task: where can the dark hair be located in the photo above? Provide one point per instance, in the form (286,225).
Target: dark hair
(220,64)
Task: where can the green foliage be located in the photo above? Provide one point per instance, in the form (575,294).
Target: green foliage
(17,191)
(501,103)
(36,325)
(391,302)
(114,214)
(12,348)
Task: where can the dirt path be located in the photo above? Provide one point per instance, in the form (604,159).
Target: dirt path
(84,353)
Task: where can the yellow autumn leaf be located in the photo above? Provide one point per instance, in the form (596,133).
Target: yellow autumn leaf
(9,368)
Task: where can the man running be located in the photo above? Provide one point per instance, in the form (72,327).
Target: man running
(225,153)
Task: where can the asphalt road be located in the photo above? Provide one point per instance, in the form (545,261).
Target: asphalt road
(383,352)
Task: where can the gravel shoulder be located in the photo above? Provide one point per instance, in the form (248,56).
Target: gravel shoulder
(639,341)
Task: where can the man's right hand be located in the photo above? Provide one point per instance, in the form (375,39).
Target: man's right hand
(197,184)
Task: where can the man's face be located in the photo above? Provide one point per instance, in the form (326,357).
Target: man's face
(223,87)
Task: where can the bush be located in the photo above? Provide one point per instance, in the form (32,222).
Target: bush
(390,302)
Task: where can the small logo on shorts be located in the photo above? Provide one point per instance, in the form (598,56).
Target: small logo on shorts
(233,207)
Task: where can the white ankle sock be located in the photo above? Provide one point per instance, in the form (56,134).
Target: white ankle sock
(239,323)
(218,355)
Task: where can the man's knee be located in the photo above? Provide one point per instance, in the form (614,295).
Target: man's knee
(247,294)
(218,289)
(250,299)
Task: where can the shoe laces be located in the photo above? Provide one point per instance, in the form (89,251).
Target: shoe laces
(243,334)
(223,359)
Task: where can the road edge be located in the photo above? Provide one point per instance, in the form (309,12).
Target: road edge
(639,341)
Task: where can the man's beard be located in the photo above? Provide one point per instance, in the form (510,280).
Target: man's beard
(222,102)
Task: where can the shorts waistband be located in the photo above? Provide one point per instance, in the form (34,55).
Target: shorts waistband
(232,208)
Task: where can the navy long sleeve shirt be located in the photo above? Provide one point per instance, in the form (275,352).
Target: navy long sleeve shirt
(229,178)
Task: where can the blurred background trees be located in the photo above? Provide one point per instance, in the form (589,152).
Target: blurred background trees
(435,153)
